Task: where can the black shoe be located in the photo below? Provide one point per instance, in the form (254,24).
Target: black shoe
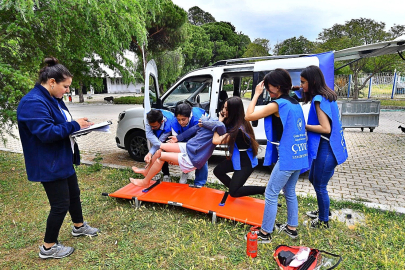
(314,214)
(284,228)
(316,223)
(263,238)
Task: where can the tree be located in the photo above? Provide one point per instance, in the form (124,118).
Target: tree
(259,47)
(170,65)
(358,32)
(294,45)
(197,49)
(198,17)
(82,34)
(165,31)
(227,43)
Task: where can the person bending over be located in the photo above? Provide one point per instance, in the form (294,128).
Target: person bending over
(186,117)
(189,156)
(158,130)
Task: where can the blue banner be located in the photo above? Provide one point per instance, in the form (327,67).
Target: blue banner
(326,64)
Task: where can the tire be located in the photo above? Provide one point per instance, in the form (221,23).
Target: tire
(137,145)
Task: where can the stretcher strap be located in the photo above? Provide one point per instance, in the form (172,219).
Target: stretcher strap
(150,187)
(224,199)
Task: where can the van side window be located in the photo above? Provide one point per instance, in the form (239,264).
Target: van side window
(152,90)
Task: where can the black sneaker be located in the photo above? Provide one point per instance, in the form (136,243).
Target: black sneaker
(316,223)
(314,214)
(262,238)
(284,228)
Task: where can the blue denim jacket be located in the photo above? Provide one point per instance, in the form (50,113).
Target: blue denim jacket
(199,145)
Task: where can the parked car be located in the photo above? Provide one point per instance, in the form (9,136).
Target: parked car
(207,88)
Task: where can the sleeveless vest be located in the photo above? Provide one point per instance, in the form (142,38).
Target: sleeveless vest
(169,118)
(293,153)
(197,113)
(236,157)
(336,140)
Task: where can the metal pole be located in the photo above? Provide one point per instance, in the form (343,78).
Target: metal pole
(369,87)
(394,85)
(348,87)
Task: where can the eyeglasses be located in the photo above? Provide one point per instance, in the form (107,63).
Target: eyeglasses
(154,126)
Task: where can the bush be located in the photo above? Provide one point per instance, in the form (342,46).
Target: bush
(128,100)
(227,87)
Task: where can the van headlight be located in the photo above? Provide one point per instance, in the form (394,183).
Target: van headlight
(121,116)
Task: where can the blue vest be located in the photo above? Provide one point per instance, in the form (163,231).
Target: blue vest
(293,154)
(336,140)
(197,113)
(169,118)
(236,157)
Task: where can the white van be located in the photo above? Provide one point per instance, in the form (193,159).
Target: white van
(207,88)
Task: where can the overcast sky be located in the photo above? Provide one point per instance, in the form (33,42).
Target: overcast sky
(280,20)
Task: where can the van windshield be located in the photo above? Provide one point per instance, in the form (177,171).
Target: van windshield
(197,90)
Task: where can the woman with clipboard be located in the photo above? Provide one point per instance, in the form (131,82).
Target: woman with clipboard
(45,126)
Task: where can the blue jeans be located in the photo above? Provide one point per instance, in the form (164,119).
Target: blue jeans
(322,170)
(201,175)
(285,180)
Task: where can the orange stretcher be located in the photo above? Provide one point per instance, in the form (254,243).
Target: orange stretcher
(206,200)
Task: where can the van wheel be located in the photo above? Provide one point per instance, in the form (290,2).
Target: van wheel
(137,145)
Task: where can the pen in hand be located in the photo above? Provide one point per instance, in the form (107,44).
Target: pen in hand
(84,122)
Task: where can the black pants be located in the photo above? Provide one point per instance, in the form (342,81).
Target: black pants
(165,169)
(239,177)
(63,196)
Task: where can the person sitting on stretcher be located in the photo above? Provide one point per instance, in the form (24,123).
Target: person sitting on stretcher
(189,156)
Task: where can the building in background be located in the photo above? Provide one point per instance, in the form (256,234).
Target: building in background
(113,80)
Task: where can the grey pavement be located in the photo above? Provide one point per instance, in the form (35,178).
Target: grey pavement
(374,173)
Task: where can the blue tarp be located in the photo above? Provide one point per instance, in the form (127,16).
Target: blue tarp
(326,64)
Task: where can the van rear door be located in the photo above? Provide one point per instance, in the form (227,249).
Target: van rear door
(151,99)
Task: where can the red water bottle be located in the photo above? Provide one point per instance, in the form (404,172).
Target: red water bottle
(251,246)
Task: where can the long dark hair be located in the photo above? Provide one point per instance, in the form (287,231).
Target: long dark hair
(279,78)
(316,84)
(53,70)
(236,120)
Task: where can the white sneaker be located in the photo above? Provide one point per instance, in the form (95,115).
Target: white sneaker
(183,178)
(166,178)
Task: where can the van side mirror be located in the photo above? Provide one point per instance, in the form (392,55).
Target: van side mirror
(197,99)
(255,123)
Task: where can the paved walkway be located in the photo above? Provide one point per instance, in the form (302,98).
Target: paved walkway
(374,173)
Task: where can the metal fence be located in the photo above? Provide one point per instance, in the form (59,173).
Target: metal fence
(381,85)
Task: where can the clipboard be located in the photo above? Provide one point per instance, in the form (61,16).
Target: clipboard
(101,127)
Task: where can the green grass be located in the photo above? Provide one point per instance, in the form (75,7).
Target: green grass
(392,102)
(159,236)
(129,100)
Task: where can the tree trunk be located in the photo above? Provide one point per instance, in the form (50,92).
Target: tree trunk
(356,86)
(80,90)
